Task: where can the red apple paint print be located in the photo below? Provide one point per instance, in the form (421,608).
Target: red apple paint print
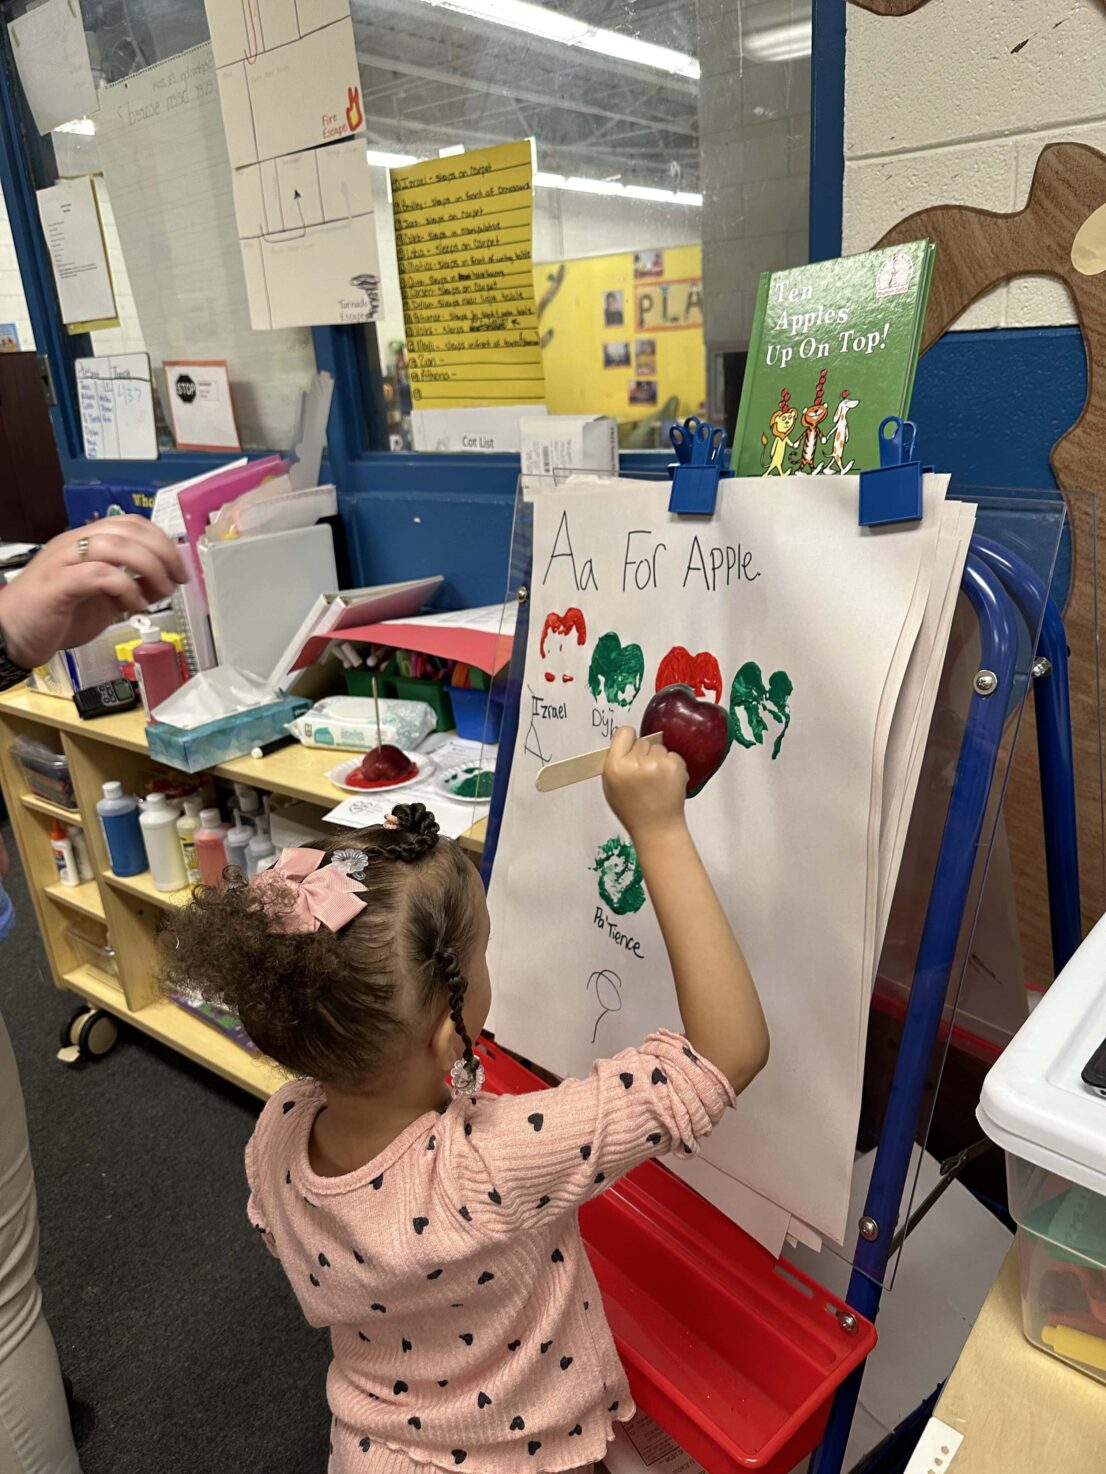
(700,731)
(701,672)
(561,627)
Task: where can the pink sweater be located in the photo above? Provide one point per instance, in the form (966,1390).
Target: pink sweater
(465,1320)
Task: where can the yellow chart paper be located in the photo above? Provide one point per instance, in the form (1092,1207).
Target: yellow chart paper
(464,232)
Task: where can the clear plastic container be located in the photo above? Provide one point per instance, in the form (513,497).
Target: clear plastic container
(46,771)
(97,955)
(1062,1259)
(1052,1126)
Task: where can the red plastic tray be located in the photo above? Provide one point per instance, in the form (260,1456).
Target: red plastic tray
(735,1354)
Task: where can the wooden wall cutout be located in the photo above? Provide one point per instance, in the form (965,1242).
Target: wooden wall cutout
(977,250)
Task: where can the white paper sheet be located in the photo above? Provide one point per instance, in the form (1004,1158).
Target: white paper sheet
(116,401)
(791,583)
(51,57)
(75,240)
(307,229)
(161,145)
(290,92)
(197,393)
(288,75)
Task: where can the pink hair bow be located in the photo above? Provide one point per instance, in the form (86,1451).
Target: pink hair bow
(322,897)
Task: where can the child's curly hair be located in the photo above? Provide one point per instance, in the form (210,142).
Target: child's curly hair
(337,1005)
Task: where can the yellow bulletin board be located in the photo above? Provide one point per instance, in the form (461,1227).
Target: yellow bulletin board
(622,335)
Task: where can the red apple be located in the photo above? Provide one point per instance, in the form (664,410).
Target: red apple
(698,730)
(386,764)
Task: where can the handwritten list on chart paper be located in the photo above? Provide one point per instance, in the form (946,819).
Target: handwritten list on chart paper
(464,235)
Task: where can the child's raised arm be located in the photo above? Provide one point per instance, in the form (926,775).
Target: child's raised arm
(646,786)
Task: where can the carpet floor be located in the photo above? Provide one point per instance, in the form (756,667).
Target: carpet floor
(175,1326)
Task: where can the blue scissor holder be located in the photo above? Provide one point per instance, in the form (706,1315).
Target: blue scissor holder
(701,461)
(893,492)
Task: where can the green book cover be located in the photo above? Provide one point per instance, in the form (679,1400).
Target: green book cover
(833,352)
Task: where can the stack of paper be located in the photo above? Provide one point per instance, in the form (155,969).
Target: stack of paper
(825,642)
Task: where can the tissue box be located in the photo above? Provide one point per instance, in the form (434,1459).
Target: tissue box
(198,748)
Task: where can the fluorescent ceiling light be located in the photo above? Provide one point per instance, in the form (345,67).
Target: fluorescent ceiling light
(786,42)
(541,21)
(385,160)
(78,125)
(577,184)
(454,148)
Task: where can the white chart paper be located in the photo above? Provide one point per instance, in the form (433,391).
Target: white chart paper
(290,92)
(116,401)
(75,240)
(161,146)
(784,591)
(51,57)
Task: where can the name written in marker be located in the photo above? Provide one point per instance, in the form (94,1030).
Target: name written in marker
(616,934)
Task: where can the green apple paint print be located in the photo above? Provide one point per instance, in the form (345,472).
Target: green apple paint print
(762,644)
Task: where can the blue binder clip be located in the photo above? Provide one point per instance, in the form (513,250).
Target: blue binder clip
(893,493)
(700,460)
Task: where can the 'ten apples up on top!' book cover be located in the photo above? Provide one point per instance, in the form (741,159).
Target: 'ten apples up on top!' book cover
(833,352)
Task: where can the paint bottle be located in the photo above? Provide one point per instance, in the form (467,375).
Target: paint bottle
(249,805)
(156,668)
(238,841)
(260,853)
(187,825)
(118,813)
(80,851)
(211,849)
(159,833)
(64,857)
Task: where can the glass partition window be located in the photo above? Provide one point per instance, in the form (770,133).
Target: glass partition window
(670,140)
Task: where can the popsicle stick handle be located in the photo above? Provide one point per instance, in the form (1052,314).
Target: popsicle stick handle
(576,769)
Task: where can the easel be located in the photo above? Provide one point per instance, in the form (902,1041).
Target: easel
(996,582)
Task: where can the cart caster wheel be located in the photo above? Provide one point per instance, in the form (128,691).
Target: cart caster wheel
(70,1031)
(91,1034)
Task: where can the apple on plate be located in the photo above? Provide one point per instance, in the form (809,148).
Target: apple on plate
(386,764)
(698,730)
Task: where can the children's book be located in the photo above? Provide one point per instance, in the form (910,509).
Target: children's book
(833,353)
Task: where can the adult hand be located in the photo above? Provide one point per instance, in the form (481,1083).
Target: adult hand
(84,580)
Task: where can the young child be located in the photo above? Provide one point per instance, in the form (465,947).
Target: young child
(438,1238)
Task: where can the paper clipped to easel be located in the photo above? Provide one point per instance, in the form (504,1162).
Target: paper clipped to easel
(464,235)
(290,91)
(116,400)
(75,240)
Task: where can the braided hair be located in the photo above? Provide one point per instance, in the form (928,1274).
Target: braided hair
(340,1006)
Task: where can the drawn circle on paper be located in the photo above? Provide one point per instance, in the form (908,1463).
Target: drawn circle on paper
(186,388)
(1088,249)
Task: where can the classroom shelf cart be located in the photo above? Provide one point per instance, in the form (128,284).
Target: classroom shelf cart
(129,908)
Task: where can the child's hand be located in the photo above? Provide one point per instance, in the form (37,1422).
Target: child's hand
(644,783)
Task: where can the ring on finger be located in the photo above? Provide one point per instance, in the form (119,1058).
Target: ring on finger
(83,545)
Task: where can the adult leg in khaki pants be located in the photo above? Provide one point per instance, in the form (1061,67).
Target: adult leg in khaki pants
(35,1436)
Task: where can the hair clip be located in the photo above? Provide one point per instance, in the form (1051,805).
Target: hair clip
(350,862)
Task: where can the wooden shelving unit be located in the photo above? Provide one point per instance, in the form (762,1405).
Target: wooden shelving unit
(128,909)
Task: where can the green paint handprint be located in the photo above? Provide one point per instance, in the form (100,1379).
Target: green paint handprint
(751,699)
(621,883)
(616,671)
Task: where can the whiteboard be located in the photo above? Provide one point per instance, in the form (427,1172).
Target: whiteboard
(116,399)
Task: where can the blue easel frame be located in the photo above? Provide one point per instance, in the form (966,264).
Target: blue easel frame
(996,582)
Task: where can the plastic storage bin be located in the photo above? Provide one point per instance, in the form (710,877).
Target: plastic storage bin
(46,771)
(478,714)
(97,955)
(1052,1127)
